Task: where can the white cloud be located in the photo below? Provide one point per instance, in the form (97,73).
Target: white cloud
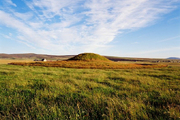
(5,36)
(11,3)
(23,16)
(84,25)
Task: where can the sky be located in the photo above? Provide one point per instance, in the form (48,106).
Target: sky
(124,28)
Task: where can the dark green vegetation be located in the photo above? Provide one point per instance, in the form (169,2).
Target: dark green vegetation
(89,57)
(32,92)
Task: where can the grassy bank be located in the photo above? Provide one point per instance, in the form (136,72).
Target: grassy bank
(33,92)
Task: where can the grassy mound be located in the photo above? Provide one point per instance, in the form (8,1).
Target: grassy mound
(89,57)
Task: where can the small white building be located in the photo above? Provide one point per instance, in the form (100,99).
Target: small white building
(44,59)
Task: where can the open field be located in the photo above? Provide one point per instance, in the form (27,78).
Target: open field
(34,92)
(89,61)
(6,61)
(91,64)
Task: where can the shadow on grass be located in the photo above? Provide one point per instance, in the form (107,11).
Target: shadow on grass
(158,106)
(40,85)
(162,77)
(6,73)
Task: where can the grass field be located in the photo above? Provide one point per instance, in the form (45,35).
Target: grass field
(36,92)
(91,64)
(6,61)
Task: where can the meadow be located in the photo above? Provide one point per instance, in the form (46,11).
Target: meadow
(6,61)
(37,92)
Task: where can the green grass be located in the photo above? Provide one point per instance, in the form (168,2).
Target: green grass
(89,57)
(32,92)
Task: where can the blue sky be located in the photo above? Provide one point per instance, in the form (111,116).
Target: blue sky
(125,28)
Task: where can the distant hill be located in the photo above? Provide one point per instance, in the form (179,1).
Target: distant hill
(35,56)
(173,58)
(62,57)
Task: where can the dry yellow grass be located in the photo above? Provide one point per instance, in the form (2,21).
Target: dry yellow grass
(89,64)
(6,61)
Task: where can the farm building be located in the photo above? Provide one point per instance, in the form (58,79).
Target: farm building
(44,59)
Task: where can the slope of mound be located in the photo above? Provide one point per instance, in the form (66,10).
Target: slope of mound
(89,57)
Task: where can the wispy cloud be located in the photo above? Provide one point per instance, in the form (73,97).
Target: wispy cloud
(11,3)
(84,25)
(169,39)
(6,36)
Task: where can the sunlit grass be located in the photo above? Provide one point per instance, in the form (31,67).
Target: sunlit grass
(6,61)
(90,64)
(36,92)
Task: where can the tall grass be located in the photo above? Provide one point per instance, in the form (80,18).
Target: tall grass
(33,92)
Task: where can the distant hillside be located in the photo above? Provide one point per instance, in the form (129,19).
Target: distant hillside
(66,57)
(173,58)
(61,57)
(35,56)
(113,58)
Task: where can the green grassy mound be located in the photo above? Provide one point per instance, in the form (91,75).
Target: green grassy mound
(89,57)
